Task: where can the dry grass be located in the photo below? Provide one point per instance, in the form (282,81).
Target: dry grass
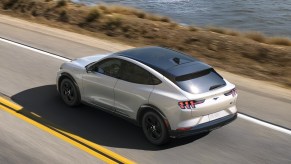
(222,30)
(124,10)
(256,36)
(193,28)
(225,48)
(133,12)
(279,41)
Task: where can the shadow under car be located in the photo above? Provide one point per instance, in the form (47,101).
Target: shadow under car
(88,122)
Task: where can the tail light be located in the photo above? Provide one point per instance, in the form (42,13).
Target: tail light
(231,92)
(184,129)
(189,104)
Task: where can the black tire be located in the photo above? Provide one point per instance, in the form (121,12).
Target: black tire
(154,128)
(70,93)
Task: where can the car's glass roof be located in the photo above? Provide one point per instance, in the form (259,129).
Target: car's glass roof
(157,57)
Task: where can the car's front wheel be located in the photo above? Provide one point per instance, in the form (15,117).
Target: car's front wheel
(69,92)
(154,128)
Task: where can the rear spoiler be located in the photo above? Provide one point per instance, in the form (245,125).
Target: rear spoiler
(188,68)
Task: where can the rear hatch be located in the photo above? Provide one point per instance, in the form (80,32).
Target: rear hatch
(201,81)
(204,88)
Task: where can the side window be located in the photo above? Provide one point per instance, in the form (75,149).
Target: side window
(109,67)
(135,74)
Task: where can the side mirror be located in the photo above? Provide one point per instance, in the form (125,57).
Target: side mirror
(90,68)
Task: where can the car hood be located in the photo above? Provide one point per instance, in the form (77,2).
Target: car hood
(84,61)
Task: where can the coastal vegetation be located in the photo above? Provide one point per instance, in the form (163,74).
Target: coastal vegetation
(251,54)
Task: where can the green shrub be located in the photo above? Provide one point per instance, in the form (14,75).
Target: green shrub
(165,19)
(64,16)
(31,5)
(113,23)
(93,15)
(34,13)
(141,15)
(61,3)
(9,4)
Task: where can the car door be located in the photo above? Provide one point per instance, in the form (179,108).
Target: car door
(99,82)
(132,90)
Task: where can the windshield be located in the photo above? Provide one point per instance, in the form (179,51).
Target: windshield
(200,82)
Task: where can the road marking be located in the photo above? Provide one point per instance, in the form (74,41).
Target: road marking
(264,123)
(57,134)
(83,144)
(34,49)
(10,104)
(98,147)
(35,114)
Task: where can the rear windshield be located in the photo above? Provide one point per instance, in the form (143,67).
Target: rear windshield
(200,82)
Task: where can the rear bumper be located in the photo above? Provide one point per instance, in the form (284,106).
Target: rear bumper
(205,127)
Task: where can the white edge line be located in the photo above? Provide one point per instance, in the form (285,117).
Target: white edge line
(35,50)
(265,124)
(242,116)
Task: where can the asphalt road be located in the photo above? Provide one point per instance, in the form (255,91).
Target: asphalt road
(21,142)
(29,79)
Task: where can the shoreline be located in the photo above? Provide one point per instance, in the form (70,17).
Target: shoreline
(243,17)
(225,49)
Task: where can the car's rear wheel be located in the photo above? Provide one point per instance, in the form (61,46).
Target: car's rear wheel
(69,92)
(154,128)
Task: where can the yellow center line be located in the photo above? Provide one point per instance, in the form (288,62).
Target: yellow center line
(100,148)
(10,104)
(80,146)
(65,138)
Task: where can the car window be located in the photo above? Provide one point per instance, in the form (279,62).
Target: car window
(135,74)
(200,82)
(109,67)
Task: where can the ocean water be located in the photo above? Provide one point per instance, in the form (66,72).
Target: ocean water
(272,17)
